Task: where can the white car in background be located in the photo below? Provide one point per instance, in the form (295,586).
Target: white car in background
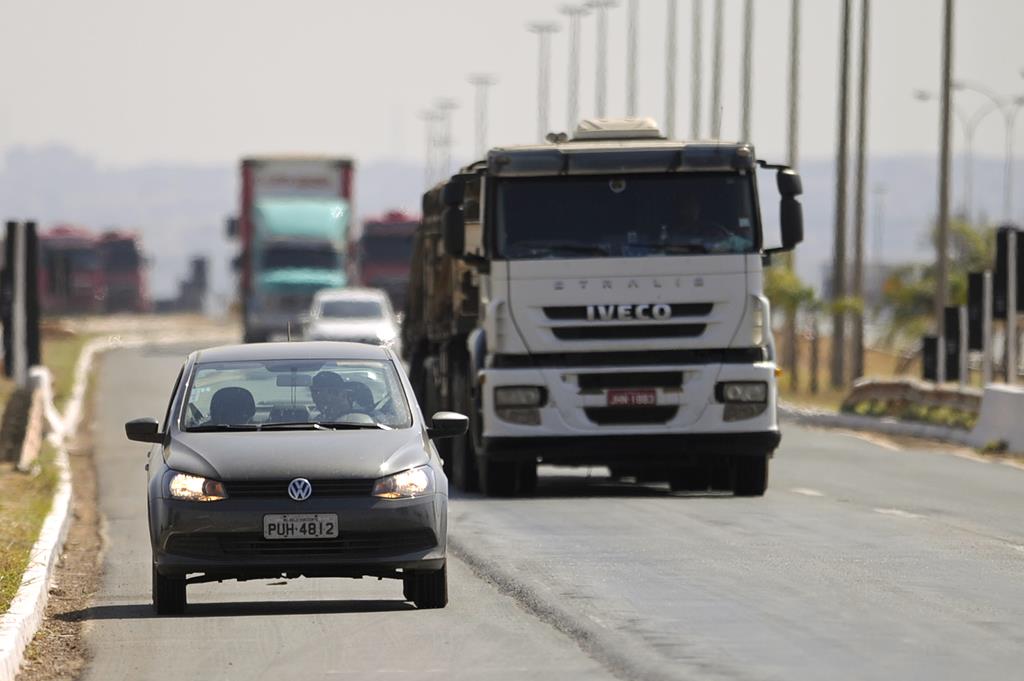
(360,315)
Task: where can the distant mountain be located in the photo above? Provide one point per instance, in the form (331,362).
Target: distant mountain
(180,209)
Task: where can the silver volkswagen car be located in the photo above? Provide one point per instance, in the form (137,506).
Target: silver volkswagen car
(296,460)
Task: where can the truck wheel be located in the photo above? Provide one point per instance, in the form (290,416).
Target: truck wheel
(528,478)
(498,478)
(168,594)
(409,586)
(751,476)
(464,474)
(431,589)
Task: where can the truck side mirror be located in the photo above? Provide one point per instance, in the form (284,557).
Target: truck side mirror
(791,215)
(453,231)
(231,226)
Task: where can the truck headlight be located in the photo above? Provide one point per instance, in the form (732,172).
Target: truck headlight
(195,488)
(415,482)
(742,392)
(518,396)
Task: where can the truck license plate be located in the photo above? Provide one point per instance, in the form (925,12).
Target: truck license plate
(300,526)
(632,398)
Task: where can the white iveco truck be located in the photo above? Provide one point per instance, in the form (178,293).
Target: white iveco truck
(599,300)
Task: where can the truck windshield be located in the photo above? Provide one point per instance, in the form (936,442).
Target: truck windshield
(625,216)
(317,257)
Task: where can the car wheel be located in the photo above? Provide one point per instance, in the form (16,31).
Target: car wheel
(751,476)
(498,478)
(168,594)
(409,586)
(431,589)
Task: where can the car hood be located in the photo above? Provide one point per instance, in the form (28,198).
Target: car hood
(314,454)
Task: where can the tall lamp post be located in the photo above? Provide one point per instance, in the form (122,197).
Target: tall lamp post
(543,30)
(631,58)
(575,14)
(1009,107)
(481,83)
(969,123)
(601,8)
(670,68)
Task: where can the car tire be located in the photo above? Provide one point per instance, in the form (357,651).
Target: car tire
(431,590)
(498,478)
(409,586)
(168,594)
(751,476)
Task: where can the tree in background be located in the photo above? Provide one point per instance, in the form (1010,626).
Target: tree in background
(787,292)
(908,292)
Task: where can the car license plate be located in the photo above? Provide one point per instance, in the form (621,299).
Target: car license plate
(632,398)
(300,526)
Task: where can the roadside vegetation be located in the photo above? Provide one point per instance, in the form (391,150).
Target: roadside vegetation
(25,500)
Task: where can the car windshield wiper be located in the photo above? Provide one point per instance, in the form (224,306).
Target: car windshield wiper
(221,427)
(349,425)
(294,425)
(589,249)
(672,247)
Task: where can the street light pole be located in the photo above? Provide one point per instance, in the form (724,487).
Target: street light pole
(716,72)
(838,373)
(941,290)
(481,83)
(858,192)
(631,59)
(600,8)
(575,13)
(696,86)
(748,56)
(445,107)
(670,69)
(543,30)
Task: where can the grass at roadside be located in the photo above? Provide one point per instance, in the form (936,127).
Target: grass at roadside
(60,354)
(25,500)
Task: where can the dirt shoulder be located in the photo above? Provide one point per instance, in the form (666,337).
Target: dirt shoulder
(58,651)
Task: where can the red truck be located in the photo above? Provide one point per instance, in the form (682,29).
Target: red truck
(383,252)
(123,272)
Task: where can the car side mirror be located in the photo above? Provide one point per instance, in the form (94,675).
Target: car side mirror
(453,231)
(144,430)
(447,424)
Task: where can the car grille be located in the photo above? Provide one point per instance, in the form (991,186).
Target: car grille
(623,416)
(278,489)
(351,544)
(632,331)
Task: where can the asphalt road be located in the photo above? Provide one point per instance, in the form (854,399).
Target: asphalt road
(862,562)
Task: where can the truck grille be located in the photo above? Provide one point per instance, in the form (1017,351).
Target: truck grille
(641,379)
(630,332)
(580,311)
(278,489)
(625,416)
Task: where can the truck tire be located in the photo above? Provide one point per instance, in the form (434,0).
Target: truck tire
(431,590)
(751,476)
(527,478)
(498,478)
(409,586)
(690,479)
(168,594)
(464,460)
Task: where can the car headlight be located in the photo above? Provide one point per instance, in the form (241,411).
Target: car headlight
(415,482)
(196,488)
(742,392)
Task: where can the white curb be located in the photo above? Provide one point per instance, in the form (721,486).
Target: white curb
(19,624)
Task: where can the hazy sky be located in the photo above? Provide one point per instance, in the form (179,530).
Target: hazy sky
(133,81)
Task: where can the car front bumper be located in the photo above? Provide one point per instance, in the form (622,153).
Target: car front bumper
(224,539)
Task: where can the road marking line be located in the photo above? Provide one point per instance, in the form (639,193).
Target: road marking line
(877,440)
(806,492)
(897,512)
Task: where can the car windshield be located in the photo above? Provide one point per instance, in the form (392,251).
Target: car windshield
(307,393)
(352,309)
(625,216)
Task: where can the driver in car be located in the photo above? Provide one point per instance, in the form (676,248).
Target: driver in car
(332,397)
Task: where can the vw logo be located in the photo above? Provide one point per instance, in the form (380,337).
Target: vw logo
(299,489)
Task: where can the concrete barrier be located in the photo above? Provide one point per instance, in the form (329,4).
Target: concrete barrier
(1001,417)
